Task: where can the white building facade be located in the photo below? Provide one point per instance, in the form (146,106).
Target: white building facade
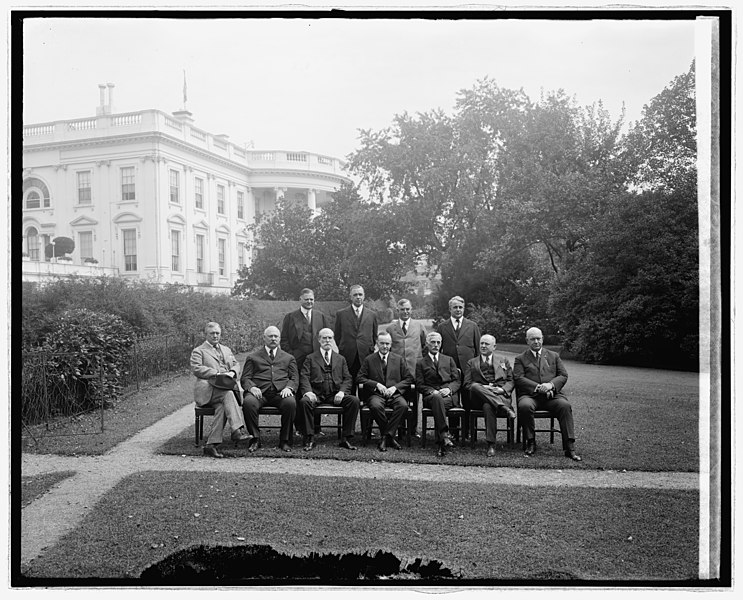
(150,196)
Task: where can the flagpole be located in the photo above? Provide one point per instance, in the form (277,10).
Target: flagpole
(185,90)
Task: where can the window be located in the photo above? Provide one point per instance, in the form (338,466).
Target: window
(241,255)
(127,183)
(240,205)
(198,186)
(220,199)
(35,189)
(45,240)
(83,187)
(85,243)
(199,253)
(130,249)
(175,189)
(222,245)
(175,250)
(32,243)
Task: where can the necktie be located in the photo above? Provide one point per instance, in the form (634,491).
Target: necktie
(308,316)
(384,366)
(358,312)
(436,361)
(456,326)
(272,353)
(219,352)
(327,358)
(404,328)
(539,366)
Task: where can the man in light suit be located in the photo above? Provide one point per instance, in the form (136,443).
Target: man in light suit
(325,379)
(437,379)
(540,376)
(460,339)
(270,378)
(408,340)
(385,377)
(208,361)
(489,380)
(355,331)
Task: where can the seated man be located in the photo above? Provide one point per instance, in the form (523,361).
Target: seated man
(325,379)
(489,380)
(437,379)
(270,378)
(209,360)
(540,376)
(385,376)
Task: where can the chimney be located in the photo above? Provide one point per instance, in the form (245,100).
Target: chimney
(110,97)
(101,110)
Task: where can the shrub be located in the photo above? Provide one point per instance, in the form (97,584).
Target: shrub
(87,352)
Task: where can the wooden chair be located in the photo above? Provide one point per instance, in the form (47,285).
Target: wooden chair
(330,409)
(208,411)
(427,413)
(367,423)
(480,414)
(540,414)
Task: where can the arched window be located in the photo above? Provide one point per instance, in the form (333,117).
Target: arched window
(35,193)
(32,243)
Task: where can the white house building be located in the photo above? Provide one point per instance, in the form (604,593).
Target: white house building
(150,196)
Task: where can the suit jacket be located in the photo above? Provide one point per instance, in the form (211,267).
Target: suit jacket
(312,375)
(371,373)
(462,346)
(291,332)
(429,380)
(205,364)
(408,345)
(502,371)
(528,377)
(355,339)
(259,372)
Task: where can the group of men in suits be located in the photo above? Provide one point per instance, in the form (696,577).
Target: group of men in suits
(454,366)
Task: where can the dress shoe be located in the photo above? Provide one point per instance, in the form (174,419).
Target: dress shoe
(285,447)
(393,442)
(241,435)
(531,447)
(211,450)
(491,450)
(447,441)
(382,445)
(570,453)
(510,413)
(254,444)
(320,433)
(308,443)
(347,445)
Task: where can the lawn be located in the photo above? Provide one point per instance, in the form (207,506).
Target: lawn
(625,418)
(480,533)
(38,485)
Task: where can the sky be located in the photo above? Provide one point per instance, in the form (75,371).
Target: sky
(311,84)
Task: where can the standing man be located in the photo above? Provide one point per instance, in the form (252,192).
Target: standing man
(489,380)
(408,340)
(270,378)
(325,379)
(300,328)
(540,377)
(460,339)
(385,377)
(216,370)
(355,331)
(437,379)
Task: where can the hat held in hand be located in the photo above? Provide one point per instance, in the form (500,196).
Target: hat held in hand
(224,381)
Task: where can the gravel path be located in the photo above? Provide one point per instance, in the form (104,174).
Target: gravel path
(48,518)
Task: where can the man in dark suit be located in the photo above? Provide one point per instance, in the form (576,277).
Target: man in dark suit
(208,361)
(385,377)
(489,380)
(299,332)
(270,378)
(355,331)
(325,379)
(437,379)
(540,376)
(460,339)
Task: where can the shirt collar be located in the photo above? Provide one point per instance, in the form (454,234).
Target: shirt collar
(268,350)
(535,354)
(454,321)
(306,313)
(433,356)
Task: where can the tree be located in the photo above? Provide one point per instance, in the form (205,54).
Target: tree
(59,247)
(348,242)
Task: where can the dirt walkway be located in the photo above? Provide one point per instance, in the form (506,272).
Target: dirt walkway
(48,518)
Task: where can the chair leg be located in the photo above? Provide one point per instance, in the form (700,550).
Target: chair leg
(196,430)
(473,430)
(340,427)
(552,430)
(424,428)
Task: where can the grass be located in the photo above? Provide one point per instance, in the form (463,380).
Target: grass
(481,532)
(625,418)
(38,485)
